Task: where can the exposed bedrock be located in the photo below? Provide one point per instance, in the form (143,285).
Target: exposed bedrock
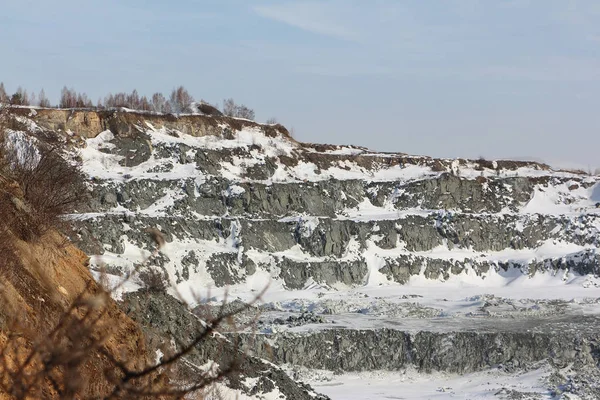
(168,325)
(332,237)
(322,198)
(450,351)
(335,250)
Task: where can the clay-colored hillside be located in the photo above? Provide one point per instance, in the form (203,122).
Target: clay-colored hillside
(58,329)
(88,123)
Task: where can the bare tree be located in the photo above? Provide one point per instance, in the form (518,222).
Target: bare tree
(117,100)
(109,100)
(271,121)
(32,98)
(83,101)
(132,100)
(145,104)
(160,103)
(180,99)
(3,96)
(231,109)
(68,98)
(245,112)
(43,100)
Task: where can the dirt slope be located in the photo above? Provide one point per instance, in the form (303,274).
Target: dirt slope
(40,280)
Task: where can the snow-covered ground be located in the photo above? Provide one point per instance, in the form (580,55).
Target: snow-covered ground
(409,384)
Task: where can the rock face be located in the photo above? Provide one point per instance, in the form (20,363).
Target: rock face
(166,323)
(448,350)
(241,204)
(236,199)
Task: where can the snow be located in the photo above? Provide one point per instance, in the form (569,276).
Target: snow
(410,384)
(375,263)
(116,285)
(234,190)
(346,151)
(219,391)
(159,356)
(24,148)
(106,166)
(102,165)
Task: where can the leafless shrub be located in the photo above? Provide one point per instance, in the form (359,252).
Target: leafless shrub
(483,163)
(231,109)
(6,223)
(153,279)
(576,171)
(271,121)
(51,186)
(438,166)
(57,357)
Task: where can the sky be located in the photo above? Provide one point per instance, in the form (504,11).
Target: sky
(453,78)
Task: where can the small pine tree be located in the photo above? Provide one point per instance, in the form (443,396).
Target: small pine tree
(20,97)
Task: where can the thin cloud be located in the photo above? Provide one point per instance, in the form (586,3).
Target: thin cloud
(344,71)
(311,17)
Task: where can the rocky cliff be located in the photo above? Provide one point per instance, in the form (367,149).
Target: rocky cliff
(238,200)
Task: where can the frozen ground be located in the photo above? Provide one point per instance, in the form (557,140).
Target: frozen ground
(409,384)
(541,304)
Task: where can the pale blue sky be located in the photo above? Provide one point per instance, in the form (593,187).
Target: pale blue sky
(469,78)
